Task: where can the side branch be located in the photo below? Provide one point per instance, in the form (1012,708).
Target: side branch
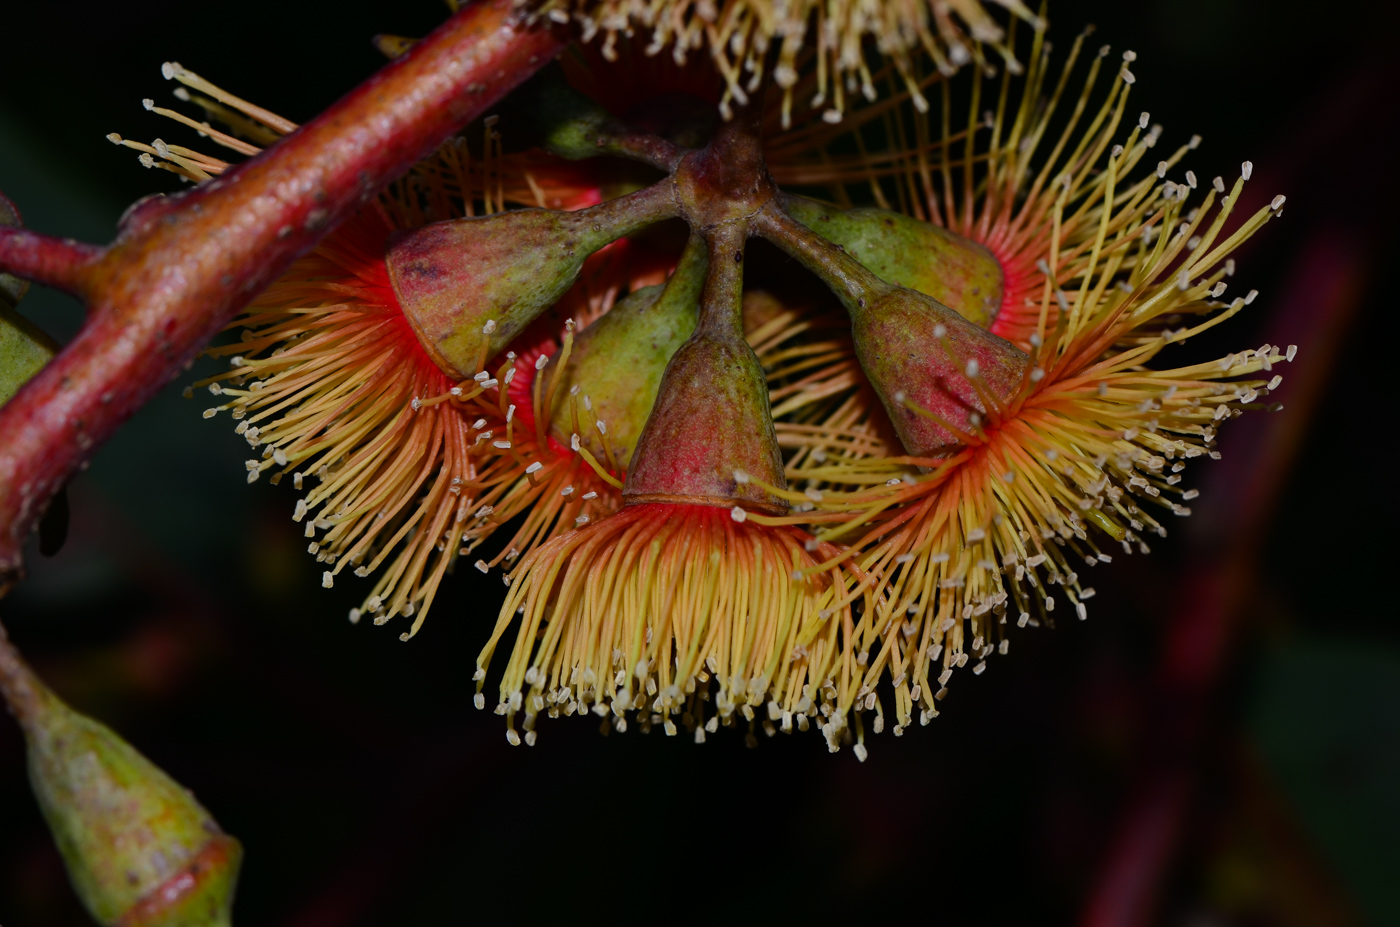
(57,262)
(182,266)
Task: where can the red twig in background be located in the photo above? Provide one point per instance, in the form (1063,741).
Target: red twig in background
(1322,298)
(1315,309)
(182,265)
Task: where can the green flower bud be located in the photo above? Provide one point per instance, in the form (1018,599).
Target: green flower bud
(548,112)
(470,286)
(619,360)
(711,420)
(938,375)
(961,274)
(140,850)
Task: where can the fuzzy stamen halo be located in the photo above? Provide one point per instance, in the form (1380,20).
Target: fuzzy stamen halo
(522,469)
(688,573)
(474,457)
(336,374)
(645,609)
(1041,216)
(1091,447)
(331,382)
(821,56)
(1064,454)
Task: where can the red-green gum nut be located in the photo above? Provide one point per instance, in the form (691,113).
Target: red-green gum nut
(619,360)
(917,353)
(961,274)
(470,286)
(140,851)
(711,418)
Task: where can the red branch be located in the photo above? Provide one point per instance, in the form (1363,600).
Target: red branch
(181,266)
(1323,294)
(57,262)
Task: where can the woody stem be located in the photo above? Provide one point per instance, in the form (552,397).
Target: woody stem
(721,305)
(54,262)
(180,268)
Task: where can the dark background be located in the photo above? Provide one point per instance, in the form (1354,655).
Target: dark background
(184,612)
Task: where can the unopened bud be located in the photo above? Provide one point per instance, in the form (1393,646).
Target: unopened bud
(623,354)
(961,274)
(471,285)
(139,849)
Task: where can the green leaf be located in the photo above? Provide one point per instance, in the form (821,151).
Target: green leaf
(24,348)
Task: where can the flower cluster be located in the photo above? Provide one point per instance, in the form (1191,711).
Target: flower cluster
(748,39)
(729,489)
